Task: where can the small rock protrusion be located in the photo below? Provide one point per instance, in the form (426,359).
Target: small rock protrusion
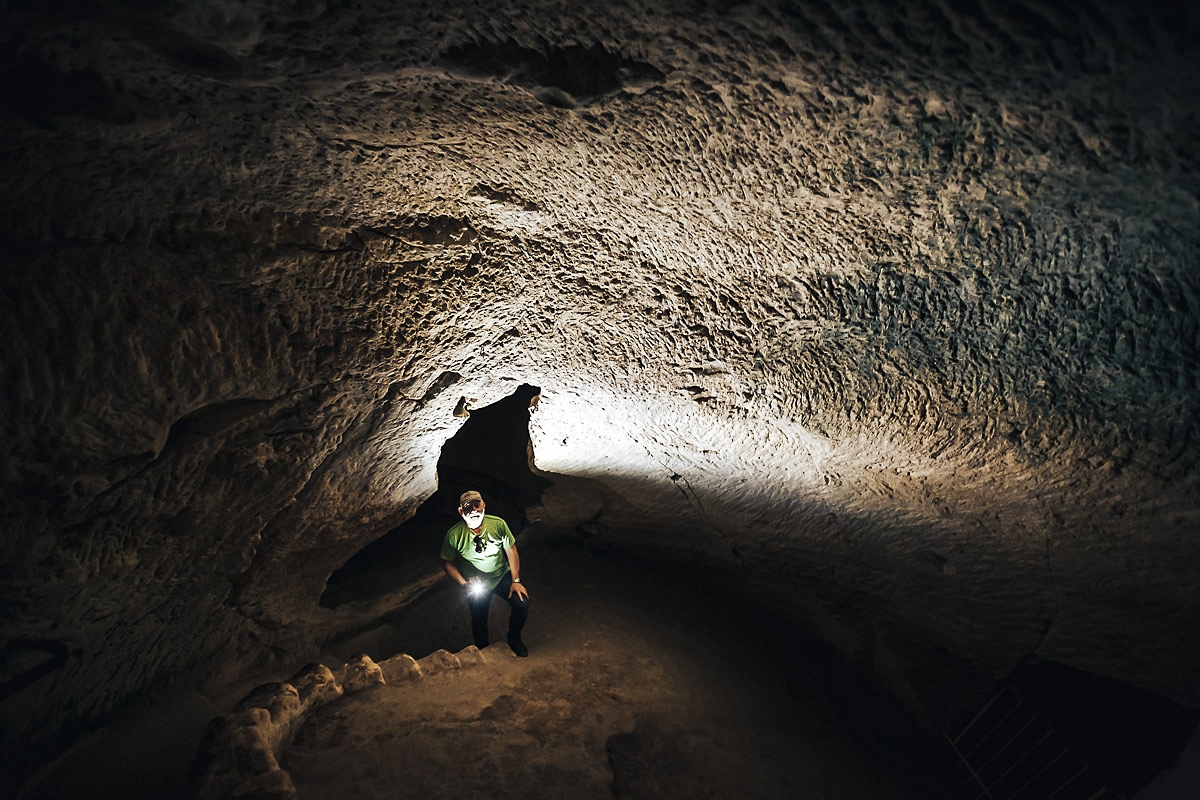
(316,686)
(715,367)
(361,673)
(401,668)
(235,749)
(282,702)
(439,661)
(471,656)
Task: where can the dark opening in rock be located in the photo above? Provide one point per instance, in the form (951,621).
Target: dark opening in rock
(490,453)
(1128,734)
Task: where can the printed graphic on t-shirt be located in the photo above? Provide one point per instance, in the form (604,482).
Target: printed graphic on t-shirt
(485,546)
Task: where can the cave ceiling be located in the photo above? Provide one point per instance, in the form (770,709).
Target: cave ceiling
(883,314)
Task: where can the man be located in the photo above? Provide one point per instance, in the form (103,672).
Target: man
(487,552)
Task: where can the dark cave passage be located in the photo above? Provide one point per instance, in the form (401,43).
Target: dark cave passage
(1128,735)
(870,329)
(489,453)
(1122,734)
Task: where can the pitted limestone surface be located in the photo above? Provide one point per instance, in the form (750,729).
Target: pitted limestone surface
(884,314)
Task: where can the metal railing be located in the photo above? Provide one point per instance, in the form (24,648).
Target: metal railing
(1009,751)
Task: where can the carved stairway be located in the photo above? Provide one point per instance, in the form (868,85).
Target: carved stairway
(239,756)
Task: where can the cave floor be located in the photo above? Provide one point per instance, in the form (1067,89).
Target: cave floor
(638,685)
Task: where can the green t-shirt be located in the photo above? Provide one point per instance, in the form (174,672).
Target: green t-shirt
(480,559)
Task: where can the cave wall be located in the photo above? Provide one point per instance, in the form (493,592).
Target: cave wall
(884,315)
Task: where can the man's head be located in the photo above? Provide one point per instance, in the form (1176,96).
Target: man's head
(471,507)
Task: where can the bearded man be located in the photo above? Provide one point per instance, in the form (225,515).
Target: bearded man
(480,555)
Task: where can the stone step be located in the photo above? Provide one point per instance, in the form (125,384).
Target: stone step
(404,667)
(239,755)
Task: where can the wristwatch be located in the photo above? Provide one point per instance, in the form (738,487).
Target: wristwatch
(516,580)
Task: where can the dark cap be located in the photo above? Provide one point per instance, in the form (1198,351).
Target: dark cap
(467,497)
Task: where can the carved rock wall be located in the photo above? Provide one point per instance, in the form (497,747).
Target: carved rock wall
(885,315)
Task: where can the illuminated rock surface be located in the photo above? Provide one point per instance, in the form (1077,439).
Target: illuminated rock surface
(884,317)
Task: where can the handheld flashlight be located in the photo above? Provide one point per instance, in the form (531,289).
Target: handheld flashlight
(475,589)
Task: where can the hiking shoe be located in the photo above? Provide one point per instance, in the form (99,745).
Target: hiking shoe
(518,647)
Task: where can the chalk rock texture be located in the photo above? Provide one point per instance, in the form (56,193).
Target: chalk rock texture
(240,754)
(400,668)
(883,314)
(361,673)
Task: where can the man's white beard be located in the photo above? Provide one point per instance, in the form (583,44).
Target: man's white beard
(474,519)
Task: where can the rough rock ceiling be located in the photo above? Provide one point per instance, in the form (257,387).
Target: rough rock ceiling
(883,313)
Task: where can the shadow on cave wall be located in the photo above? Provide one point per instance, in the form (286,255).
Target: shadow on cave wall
(489,453)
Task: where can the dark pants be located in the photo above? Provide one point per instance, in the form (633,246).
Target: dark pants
(479,612)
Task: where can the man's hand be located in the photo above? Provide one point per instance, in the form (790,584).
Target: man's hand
(519,588)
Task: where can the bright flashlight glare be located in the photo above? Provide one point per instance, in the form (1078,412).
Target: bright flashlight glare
(476,589)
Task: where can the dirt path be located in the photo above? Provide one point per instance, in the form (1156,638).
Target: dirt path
(637,686)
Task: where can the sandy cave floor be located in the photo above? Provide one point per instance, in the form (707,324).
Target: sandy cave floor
(638,685)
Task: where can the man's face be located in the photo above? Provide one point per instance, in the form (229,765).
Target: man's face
(472,512)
